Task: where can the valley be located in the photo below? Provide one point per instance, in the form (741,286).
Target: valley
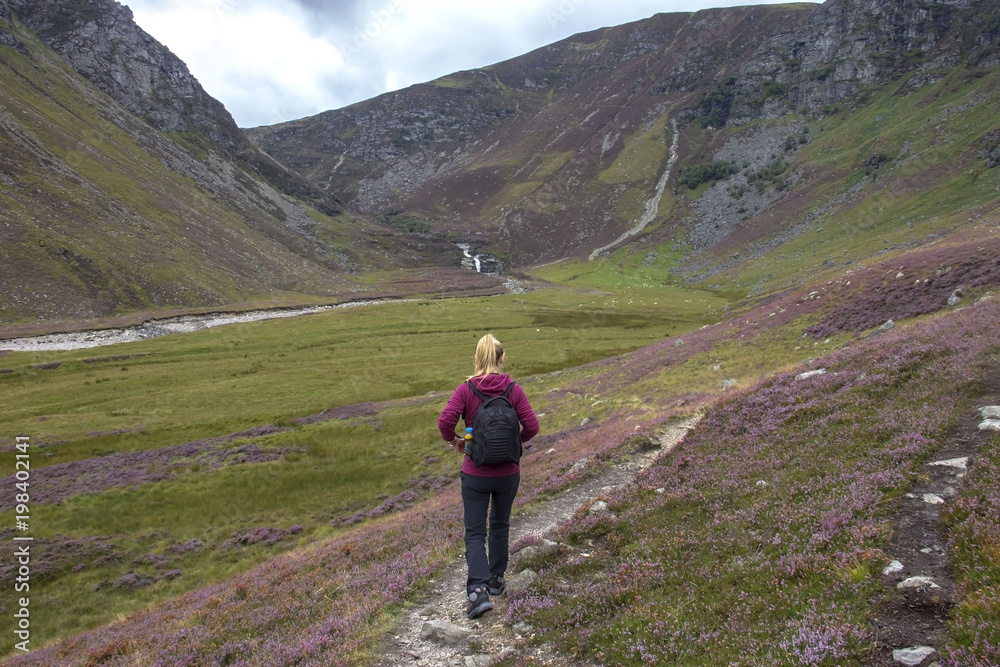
(779,223)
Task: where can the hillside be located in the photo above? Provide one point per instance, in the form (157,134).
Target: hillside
(127,188)
(764,127)
(779,223)
(763,536)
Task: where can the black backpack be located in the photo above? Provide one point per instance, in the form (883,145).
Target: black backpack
(496,437)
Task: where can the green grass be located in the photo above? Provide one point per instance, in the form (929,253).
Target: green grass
(343,467)
(931,185)
(223,380)
(177,389)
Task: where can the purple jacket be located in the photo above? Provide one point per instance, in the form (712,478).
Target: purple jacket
(464,400)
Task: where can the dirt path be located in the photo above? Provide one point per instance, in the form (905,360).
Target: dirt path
(922,591)
(444,606)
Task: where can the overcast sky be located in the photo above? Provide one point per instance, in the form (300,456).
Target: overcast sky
(275,60)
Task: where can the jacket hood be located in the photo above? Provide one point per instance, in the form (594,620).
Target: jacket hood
(492,384)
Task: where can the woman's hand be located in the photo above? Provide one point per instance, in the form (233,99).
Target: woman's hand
(459,444)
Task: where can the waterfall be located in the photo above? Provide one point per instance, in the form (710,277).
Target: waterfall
(652,204)
(473,259)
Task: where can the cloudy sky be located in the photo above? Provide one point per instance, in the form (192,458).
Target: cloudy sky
(274,60)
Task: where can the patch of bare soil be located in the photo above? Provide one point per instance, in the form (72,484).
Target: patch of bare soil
(920,584)
(436,632)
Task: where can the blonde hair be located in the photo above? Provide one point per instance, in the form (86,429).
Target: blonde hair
(489,356)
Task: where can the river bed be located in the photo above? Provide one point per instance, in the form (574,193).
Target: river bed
(151,328)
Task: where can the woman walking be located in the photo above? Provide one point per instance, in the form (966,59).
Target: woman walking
(486,484)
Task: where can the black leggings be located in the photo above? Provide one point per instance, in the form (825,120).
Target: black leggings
(476,495)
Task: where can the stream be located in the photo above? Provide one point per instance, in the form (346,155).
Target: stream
(652,204)
(151,328)
(187,323)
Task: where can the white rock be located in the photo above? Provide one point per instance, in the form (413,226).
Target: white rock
(933,499)
(726,384)
(990,412)
(809,374)
(990,425)
(961,463)
(894,566)
(917,582)
(914,655)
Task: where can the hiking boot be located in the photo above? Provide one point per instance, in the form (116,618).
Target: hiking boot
(496,585)
(479,603)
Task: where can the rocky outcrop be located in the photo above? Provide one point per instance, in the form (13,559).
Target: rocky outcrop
(100,39)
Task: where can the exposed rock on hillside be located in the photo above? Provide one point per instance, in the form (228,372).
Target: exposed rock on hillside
(131,189)
(554,153)
(100,40)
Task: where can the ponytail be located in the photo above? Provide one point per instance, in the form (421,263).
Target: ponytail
(489,356)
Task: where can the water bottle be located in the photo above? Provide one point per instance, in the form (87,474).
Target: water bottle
(468,435)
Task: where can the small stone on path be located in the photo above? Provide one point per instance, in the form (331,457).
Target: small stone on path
(445,632)
(990,425)
(894,566)
(933,499)
(914,655)
(960,463)
(990,412)
(917,582)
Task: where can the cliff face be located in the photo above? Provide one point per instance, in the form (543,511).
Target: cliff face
(556,152)
(100,39)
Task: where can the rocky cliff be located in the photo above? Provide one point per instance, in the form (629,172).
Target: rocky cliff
(100,39)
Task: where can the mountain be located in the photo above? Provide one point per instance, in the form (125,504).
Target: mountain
(731,148)
(127,188)
(734,114)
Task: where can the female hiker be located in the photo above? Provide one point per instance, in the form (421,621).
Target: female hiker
(488,482)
